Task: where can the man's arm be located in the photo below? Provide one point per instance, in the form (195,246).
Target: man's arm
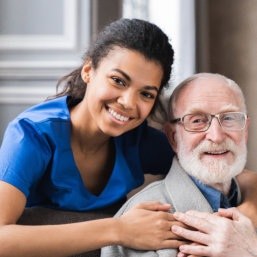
(248,184)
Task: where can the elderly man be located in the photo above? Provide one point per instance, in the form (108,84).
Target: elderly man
(208,131)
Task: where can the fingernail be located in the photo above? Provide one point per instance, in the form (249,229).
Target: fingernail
(181,248)
(175,228)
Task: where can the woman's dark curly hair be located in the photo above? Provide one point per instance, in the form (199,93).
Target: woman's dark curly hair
(133,34)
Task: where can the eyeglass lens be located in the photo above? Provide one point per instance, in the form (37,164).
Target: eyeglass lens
(228,121)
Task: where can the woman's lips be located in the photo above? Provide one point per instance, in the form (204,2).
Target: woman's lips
(118,116)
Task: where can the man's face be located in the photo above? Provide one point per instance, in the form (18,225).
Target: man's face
(213,156)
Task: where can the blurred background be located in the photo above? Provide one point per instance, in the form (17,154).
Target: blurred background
(42,40)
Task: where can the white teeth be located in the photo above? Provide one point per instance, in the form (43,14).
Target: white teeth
(117,116)
(222,152)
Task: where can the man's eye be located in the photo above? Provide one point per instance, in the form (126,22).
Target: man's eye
(228,118)
(118,81)
(197,121)
(148,95)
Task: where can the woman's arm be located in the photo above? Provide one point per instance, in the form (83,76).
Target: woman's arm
(248,184)
(145,226)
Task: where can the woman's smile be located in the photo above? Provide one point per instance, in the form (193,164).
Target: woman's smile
(118,116)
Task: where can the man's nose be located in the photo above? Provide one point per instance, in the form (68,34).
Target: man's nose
(215,133)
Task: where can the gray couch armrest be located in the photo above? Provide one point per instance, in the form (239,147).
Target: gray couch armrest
(46,216)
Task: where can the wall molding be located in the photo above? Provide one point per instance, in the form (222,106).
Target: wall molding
(66,41)
(24,95)
(36,69)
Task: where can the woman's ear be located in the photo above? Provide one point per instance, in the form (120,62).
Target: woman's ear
(170,131)
(85,72)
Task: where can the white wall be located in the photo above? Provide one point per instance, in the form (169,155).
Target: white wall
(40,41)
(177,19)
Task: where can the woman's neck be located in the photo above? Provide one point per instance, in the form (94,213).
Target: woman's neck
(85,134)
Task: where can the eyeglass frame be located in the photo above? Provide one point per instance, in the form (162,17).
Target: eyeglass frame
(209,123)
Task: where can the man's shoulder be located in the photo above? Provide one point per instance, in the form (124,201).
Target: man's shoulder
(155,191)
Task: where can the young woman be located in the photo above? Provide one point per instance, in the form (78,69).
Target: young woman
(90,146)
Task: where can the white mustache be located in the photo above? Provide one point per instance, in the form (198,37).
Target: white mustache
(207,146)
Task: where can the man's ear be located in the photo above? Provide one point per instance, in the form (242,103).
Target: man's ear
(85,72)
(246,128)
(170,131)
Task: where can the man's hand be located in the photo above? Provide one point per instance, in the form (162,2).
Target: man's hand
(218,236)
(180,254)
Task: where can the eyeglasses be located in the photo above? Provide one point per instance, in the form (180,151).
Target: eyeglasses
(200,122)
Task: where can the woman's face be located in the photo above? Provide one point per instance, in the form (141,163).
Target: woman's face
(121,91)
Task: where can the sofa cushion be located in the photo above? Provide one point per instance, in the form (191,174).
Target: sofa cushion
(46,216)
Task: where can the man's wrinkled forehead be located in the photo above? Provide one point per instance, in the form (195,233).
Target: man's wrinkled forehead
(225,108)
(207,95)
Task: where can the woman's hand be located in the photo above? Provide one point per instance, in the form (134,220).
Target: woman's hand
(233,234)
(147,226)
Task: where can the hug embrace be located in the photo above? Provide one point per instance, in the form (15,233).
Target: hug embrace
(90,145)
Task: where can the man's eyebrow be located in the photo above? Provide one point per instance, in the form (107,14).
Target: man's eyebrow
(127,77)
(230,108)
(193,109)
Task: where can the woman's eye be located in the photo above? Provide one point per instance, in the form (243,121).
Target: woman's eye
(148,95)
(118,81)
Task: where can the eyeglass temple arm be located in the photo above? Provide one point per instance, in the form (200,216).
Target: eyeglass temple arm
(175,120)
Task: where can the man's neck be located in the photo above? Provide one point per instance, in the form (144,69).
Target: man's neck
(224,188)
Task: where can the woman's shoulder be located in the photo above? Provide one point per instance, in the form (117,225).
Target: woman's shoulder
(52,109)
(46,121)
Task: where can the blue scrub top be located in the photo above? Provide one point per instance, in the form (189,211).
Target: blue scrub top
(36,157)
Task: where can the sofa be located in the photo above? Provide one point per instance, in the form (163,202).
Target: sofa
(46,216)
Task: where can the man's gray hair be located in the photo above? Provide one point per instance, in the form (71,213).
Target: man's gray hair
(229,82)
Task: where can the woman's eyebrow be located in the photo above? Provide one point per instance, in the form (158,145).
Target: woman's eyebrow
(151,88)
(127,77)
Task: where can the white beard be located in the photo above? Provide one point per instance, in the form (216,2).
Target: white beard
(215,171)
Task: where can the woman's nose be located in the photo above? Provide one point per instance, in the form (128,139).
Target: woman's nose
(127,99)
